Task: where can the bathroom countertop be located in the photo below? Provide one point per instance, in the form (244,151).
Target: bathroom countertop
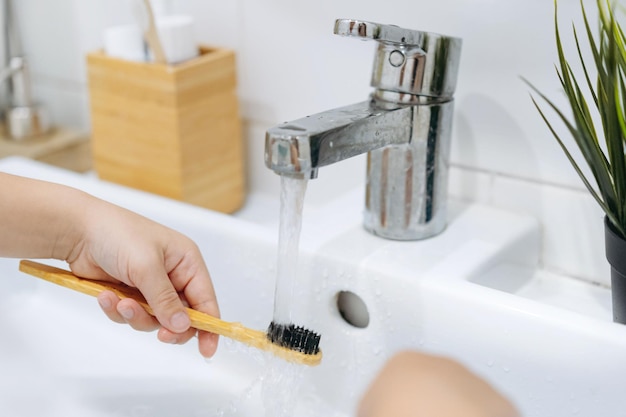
(62,147)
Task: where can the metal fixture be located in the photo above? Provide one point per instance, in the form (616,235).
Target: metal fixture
(23,118)
(405,127)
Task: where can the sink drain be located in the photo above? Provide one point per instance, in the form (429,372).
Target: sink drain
(353,309)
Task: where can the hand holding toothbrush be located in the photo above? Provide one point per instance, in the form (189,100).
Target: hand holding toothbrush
(102,241)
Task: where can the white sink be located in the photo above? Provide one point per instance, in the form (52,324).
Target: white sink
(473,293)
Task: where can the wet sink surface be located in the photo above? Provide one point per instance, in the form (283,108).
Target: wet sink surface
(60,356)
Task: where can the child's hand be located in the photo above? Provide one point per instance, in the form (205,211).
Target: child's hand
(103,241)
(165,266)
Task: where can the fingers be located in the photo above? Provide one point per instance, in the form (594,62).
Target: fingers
(207,343)
(127,311)
(108,303)
(167,336)
(197,292)
(192,277)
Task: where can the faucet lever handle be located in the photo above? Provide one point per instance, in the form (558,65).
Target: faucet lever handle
(378,32)
(408,61)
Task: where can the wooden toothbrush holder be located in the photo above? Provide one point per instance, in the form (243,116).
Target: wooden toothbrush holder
(173,130)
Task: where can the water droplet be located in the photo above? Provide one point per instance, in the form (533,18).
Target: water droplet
(490,363)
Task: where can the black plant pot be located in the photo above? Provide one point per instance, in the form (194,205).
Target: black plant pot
(615,246)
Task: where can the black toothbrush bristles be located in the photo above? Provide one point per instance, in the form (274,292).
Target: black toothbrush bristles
(294,337)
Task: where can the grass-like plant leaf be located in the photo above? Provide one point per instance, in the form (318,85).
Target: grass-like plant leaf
(602,149)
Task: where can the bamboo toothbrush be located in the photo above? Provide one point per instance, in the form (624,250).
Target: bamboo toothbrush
(293,344)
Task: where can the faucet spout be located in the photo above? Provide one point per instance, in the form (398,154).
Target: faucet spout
(300,147)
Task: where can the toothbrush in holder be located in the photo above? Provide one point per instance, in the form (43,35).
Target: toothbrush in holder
(147,23)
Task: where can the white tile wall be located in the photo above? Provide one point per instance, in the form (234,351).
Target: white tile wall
(291,65)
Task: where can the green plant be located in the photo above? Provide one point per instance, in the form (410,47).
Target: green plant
(608,104)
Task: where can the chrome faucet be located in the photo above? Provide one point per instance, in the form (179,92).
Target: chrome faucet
(405,127)
(23,117)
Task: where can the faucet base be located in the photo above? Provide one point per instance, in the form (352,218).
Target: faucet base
(425,232)
(27,121)
(406,189)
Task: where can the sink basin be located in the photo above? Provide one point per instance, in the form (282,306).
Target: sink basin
(473,293)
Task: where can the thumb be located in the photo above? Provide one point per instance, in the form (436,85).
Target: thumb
(156,287)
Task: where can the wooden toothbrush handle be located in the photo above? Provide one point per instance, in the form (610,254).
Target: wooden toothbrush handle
(152,35)
(199,320)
